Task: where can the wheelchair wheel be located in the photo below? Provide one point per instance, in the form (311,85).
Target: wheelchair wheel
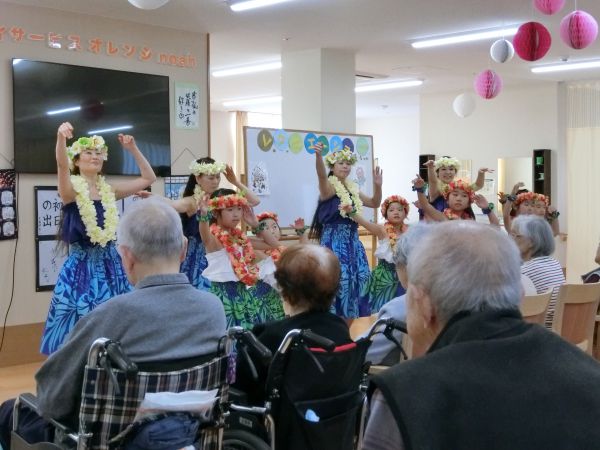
(242,440)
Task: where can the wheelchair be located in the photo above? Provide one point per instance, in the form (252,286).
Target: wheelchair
(114,387)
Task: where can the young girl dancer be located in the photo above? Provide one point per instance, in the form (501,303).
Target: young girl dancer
(92,272)
(234,271)
(383,284)
(205,178)
(443,171)
(525,202)
(334,229)
(268,234)
(460,196)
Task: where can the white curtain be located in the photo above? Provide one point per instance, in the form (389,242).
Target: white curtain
(583,175)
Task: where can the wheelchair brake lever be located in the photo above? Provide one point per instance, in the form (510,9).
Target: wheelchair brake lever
(313,357)
(244,351)
(105,363)
(388,333)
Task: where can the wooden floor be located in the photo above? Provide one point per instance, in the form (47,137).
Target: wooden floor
(17,379)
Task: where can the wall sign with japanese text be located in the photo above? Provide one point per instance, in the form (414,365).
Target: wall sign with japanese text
(186,106)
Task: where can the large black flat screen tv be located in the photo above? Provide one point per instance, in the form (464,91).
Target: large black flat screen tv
(95,100)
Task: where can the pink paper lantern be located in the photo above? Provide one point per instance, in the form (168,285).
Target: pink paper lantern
(578,29)
(548,7)
(488,84)
(532,41)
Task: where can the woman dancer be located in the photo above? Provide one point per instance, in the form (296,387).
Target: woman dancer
(234,271)
(92,272)
(334,229)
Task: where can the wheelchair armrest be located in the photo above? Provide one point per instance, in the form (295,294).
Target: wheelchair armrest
(28,399)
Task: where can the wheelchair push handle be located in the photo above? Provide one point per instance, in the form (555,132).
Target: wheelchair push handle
(386,326)
(119,359)
(248,338)
(318,340)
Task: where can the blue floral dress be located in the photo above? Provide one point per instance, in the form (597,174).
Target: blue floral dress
(195,259)
(90,275)
(340,234)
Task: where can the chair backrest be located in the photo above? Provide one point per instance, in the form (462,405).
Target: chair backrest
(533,307)
(106,414)
(576,309)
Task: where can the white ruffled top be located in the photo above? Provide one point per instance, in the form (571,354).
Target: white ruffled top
(385,251)
(220,270)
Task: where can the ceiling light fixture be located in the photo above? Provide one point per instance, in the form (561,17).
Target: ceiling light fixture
(245,5)
(247,69)
(148,4)
(372,87)
(567,66)
(253,101)
(465,37)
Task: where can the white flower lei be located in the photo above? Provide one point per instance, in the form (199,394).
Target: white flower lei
(216,168)
(198,193)
(349,195)
(87,210)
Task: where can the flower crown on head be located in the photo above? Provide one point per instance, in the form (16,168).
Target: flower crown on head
(227,201)
(267,215)
(531,196)
(215,168)
(394,199)
(459,185)
(444,161)
(83,143)
(343,155)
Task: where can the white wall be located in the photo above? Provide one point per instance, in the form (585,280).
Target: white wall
(520,119)
(222,136)
(396,145)
(27,305)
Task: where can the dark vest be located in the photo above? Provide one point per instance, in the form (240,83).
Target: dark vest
(492,381)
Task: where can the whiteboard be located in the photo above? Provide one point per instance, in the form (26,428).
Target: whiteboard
(280,168)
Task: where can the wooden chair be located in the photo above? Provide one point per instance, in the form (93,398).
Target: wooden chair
(575,314)
(533,307)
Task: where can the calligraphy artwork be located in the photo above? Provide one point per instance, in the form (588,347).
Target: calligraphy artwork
(187,106)
(8,204)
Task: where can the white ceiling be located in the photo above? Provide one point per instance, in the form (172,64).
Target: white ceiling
(378,31)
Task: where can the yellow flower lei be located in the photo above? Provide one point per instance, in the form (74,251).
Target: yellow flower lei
(348,194)
(87,210)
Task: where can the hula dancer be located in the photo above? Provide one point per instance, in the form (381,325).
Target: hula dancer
(383,284)
(93,272)
(234,271)
(333,227)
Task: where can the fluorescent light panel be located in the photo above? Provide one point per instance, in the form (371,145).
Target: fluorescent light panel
(567,66)
(108,130)
(64,110)
(465,37)
(251,4)
(372,87)
(253,101)
(247,69)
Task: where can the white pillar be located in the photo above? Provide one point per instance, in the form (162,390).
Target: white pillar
(318,90)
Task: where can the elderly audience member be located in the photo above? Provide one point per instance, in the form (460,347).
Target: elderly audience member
(489,380)
(382,350)
(165,319)
(534,238)
(308,277)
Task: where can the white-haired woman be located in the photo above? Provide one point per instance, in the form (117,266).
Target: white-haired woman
(535,240)
(93,272)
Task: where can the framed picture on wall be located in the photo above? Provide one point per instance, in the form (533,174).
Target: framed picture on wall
(187,106)
(50,255)
(48,207)
(8,204)
(175,185)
